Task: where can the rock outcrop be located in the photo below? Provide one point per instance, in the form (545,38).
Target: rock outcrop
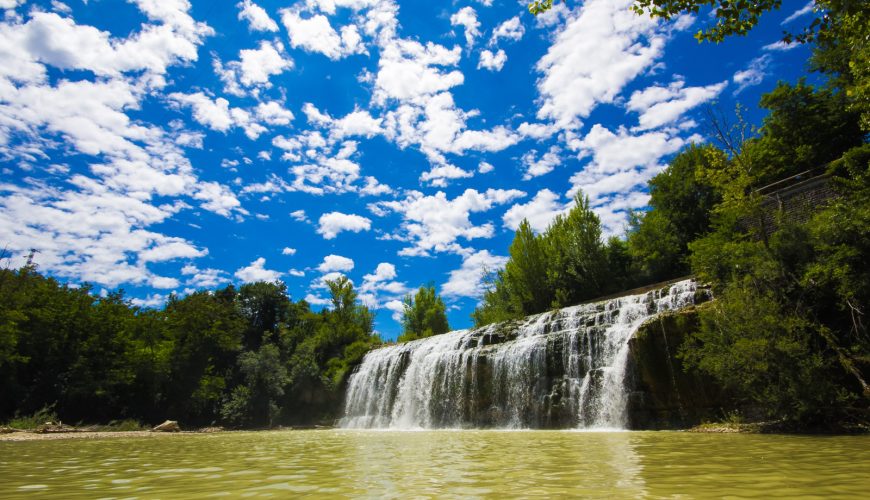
(168,426)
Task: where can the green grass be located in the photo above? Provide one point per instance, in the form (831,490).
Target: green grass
(40,417)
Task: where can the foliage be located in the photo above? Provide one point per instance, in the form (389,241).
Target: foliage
(246,357)
(566,264)
(680,205)
(424,315)
(39,417)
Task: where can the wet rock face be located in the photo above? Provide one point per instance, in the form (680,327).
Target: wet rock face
(662,393)
(575,367)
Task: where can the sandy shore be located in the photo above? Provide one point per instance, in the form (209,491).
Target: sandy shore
(33,436)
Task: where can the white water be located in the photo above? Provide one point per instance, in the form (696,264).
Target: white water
(499,375)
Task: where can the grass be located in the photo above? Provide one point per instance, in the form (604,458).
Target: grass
(48,414)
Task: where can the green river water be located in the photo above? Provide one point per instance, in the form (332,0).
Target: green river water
(443,464)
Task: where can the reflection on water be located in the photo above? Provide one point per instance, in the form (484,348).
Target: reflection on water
(439,463)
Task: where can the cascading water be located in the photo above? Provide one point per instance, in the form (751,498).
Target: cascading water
(563,368)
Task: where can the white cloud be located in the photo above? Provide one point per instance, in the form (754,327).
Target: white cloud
(467,18)
(435,223)
(466,281)
(380,287)
(299,215)
(296,272)
(316,300)
(335,263)
(438,175)
(536,167)
(397,307)
(93,225)
(781,46)
(539,211)
(485,168)
(754,73)
(274,113)
(256,16)
(151,301)
(58,41)
(600,50)
(253,70)
(335,222)
(256,271)
(660,106)
(806,9)
(512,30)
(203,278)
(288,251)
(408,70)
(490,61)
(316,34)
(217,114)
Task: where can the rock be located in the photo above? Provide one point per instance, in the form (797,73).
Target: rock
(209,430)
(168,426)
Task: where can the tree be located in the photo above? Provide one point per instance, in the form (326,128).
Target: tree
(424,315)
(256,400)
(577,262)
(680,205)
(265,306)
(525,273)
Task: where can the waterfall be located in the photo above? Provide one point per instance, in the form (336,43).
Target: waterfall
(563,368)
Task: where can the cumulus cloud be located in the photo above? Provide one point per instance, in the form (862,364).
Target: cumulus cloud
(435,223)
(203,278)
(659,106)
(335,263)
(490,61)
(466,281)
(602,47)
(539,211)
(335,222)
(537,166)
(256,16)
(217,114)
(315,34)
(467,18)
(256,271)
(288,251)
(254,68)
(511,30)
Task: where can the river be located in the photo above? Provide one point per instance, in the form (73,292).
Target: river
(440,464)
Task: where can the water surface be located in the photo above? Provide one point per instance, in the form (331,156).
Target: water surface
(439,463)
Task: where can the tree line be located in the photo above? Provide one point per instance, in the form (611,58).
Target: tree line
(244,356)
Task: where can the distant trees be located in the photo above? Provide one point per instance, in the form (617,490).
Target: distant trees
(246,357)
(424,315)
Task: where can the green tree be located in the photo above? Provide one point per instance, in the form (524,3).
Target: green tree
(576,266)
(424,315)
(680,206)
(207,332)
(255,402)
(525,273)
(264,306)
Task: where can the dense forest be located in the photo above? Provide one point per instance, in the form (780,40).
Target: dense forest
(246,356)
(788,329)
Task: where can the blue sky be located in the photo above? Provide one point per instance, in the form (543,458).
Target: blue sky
(165,146)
